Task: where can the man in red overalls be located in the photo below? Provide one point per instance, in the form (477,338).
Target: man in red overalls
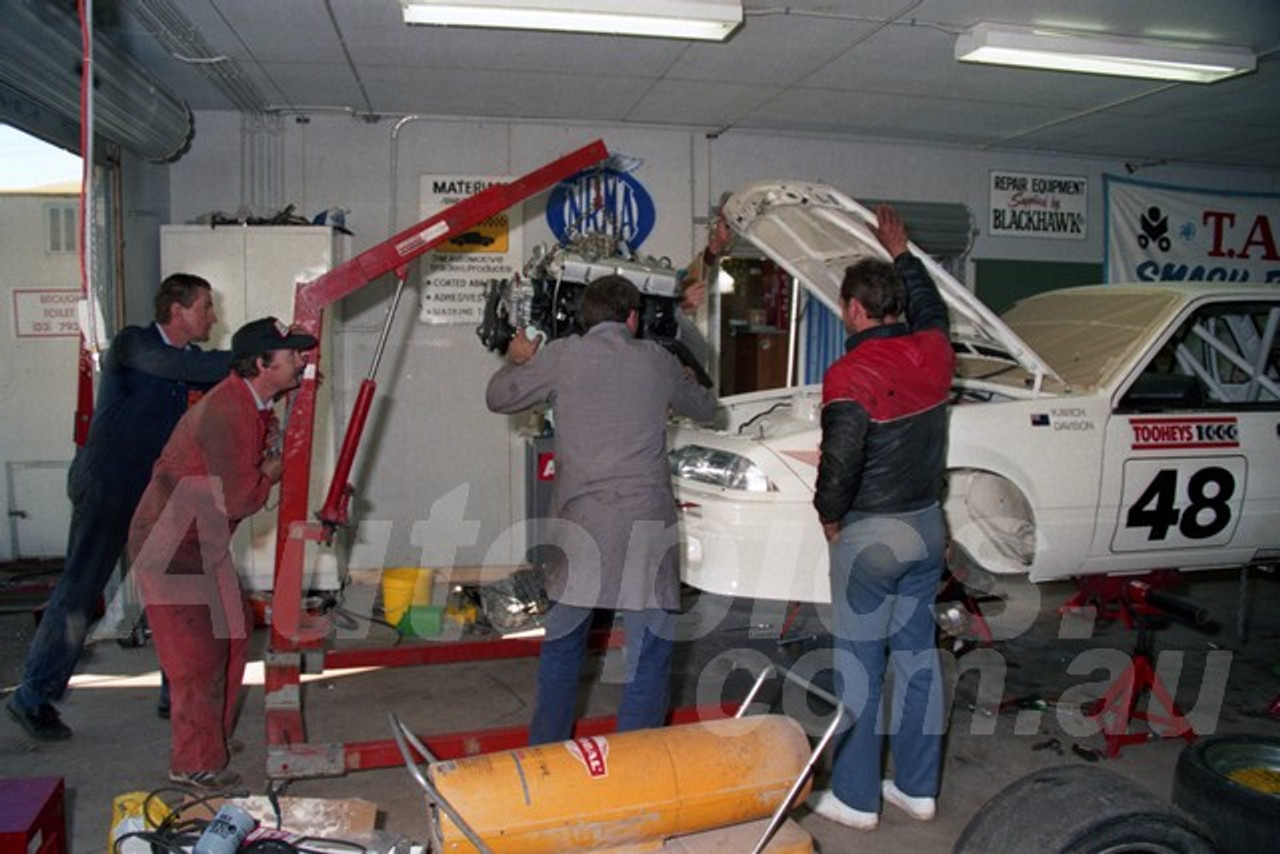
(217,468)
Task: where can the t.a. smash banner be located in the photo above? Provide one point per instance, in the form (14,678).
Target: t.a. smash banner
(1157,232)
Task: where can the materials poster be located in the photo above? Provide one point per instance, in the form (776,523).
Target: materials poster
(456,273)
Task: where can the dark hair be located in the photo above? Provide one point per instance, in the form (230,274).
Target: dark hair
(608,298)
(181,289)
(247,366)
(877,286)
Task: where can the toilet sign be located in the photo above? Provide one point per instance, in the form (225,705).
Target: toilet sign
(45,313)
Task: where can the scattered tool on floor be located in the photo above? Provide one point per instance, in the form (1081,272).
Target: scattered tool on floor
(1088,754)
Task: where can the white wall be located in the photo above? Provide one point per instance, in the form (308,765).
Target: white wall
(37,384)
(38,376)
(429,437)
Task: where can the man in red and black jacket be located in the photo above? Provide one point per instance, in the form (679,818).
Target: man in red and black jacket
(880,477)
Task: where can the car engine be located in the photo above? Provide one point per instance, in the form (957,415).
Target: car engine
(545,298)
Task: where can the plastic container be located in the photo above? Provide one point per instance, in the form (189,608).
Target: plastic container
(403,588)
(423,621)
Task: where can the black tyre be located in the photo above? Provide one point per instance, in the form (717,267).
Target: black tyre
(1080,809)
(1231,783)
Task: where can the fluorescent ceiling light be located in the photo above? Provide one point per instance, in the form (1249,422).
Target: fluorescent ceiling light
(711,20)
(1094,54)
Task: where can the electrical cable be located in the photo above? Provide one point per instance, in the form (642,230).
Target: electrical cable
(173,833)
(269,846)
(328,843)
(176,834)
(754,418)
(273,797)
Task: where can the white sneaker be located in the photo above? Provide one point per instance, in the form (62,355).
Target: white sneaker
(921,809)
(826,804)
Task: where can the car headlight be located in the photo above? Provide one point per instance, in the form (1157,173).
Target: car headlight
(719,468)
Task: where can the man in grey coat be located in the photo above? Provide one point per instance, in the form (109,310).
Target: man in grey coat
(616,541)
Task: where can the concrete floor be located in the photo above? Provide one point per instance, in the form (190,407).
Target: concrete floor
(1050,663)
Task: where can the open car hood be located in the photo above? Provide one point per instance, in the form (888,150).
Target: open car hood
(814,232)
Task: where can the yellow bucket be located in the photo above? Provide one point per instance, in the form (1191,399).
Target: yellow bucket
(402,589)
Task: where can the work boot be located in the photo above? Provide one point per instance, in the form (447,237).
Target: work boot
(42,723)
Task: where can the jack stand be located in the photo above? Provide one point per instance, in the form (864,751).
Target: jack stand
(1119,705)
(1106,595)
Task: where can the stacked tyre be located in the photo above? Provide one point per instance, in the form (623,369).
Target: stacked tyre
(1231,785)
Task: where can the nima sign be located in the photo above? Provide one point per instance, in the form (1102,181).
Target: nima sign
(601,201)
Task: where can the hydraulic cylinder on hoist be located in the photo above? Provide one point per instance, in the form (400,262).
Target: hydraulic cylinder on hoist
(629,791)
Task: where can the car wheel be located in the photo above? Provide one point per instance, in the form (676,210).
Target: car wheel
(1074,809)
(1231,783)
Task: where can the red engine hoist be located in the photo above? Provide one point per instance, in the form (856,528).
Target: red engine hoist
(297,639)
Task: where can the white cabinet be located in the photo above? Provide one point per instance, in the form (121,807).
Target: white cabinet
(254,271)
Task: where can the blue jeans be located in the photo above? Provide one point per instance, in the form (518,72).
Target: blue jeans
(100,518)
(649,639)
(885,571)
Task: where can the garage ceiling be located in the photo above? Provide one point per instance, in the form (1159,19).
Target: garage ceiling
(878,69)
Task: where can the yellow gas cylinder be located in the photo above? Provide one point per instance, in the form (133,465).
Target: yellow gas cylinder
(603,792)
(790,838)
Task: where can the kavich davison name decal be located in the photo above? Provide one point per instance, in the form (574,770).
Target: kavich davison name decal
(1151,434)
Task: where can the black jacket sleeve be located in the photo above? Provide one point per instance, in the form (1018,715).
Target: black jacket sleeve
(844,435)
(925,308)
(135,349)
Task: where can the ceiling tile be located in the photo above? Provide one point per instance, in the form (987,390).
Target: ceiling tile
(699,104)
(882,68)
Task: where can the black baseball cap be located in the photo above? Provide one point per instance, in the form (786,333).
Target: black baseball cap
(258,337)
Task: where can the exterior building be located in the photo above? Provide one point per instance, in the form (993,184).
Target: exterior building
(39,346)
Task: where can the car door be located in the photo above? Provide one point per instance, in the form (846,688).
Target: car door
(1192,455)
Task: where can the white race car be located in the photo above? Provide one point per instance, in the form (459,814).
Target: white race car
(1105,429)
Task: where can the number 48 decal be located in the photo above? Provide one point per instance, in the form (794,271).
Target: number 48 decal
(1169,503)
(1206,513)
